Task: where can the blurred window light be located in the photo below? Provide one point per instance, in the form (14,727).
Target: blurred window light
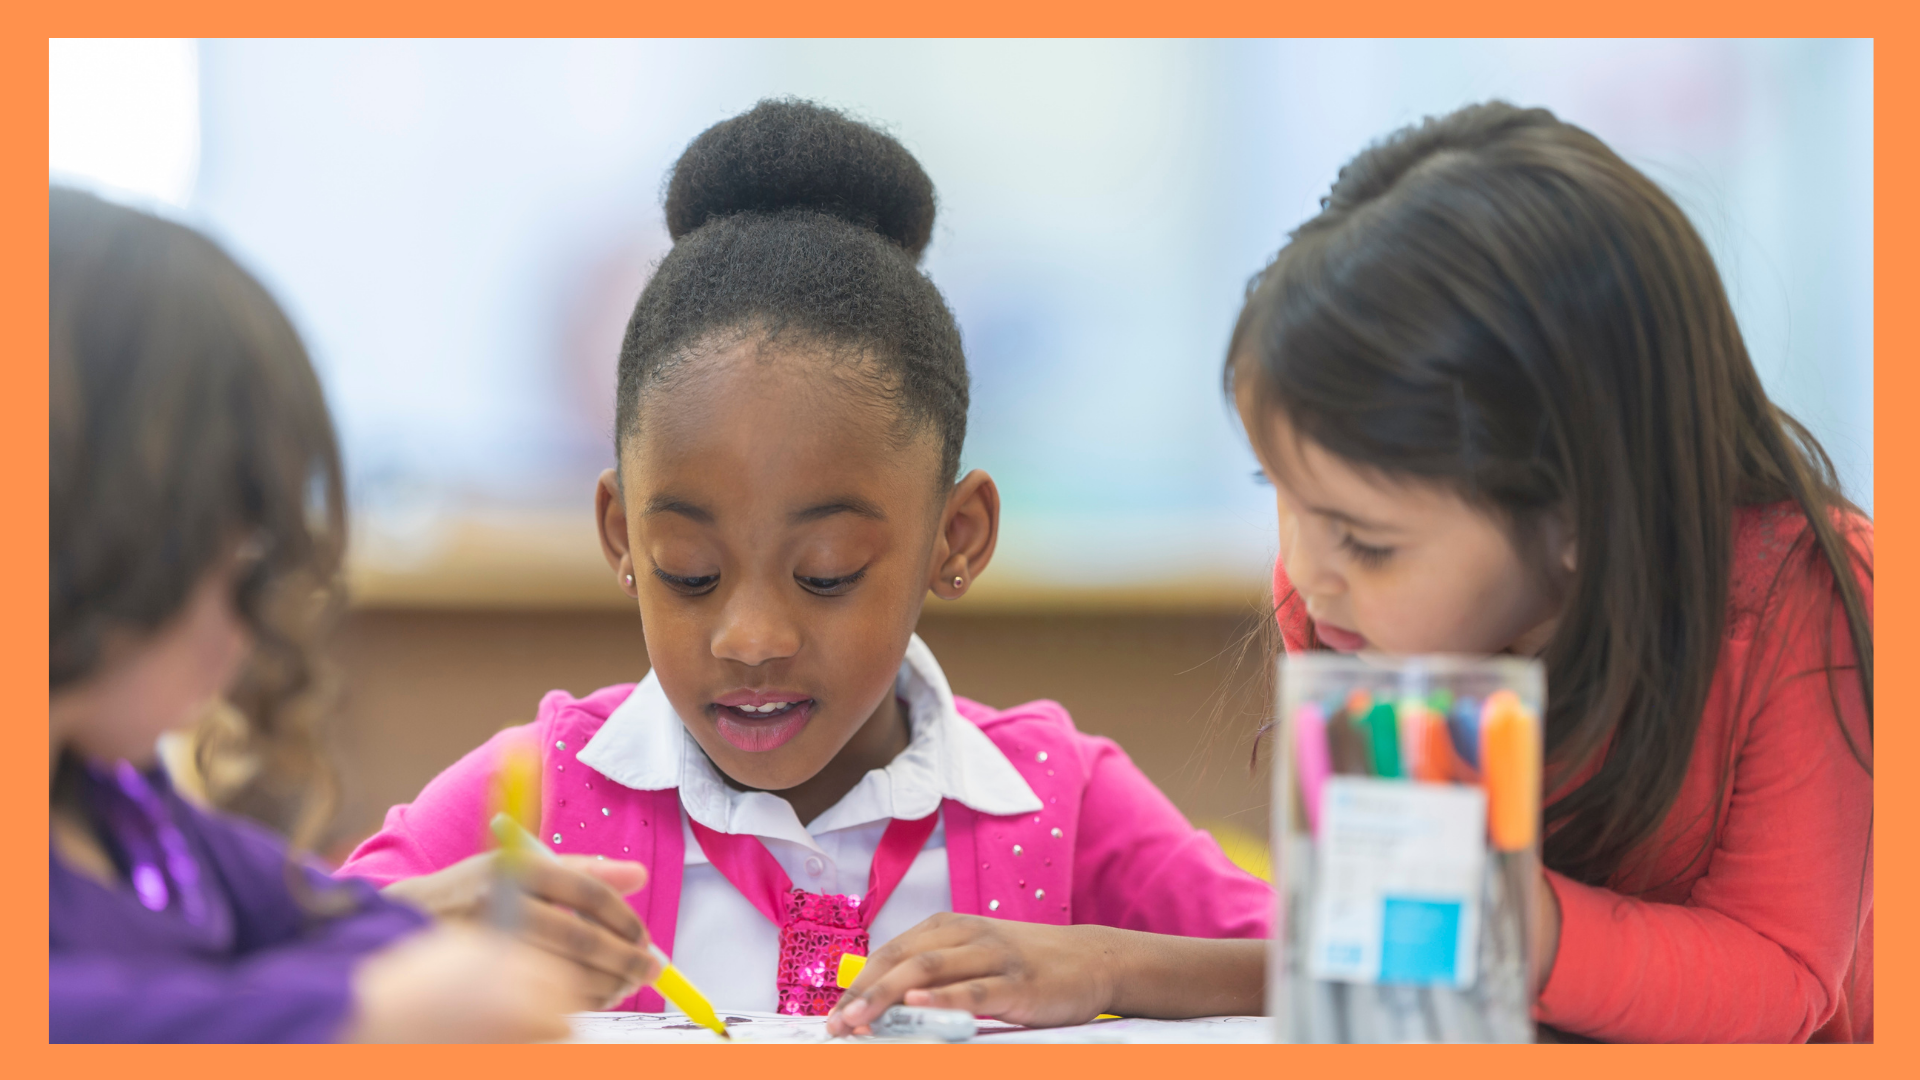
(459,228)
(123,116)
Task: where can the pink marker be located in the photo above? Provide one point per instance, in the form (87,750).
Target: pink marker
(1311,761)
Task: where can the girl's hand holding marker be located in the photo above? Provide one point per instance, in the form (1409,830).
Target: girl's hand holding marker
(570,906)
(457,983)
(520,851)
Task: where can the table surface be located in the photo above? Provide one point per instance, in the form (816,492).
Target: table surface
(749,1027)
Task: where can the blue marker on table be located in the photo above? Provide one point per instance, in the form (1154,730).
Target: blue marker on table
(912,1021)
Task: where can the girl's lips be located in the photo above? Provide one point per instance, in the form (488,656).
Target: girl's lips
(756,733)
(758,697)
(1340,640)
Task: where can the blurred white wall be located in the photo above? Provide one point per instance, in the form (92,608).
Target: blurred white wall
(459,228)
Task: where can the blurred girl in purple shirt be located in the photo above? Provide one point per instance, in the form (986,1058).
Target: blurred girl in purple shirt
(196,531)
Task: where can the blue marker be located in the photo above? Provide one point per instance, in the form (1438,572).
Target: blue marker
(912,1021)
(1463,723)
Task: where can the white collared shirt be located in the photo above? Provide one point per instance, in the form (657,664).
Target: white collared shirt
(721,941)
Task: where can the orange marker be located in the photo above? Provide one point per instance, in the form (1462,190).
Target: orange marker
(1436,762)
(1358,702)
(1510,758)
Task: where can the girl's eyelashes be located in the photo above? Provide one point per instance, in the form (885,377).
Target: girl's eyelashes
(1364,554)
(829,586)
(1260,478)
(687,586)
(699,586)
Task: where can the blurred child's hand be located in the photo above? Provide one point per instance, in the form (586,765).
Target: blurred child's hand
(573,909)
(464,984)
(1023,973)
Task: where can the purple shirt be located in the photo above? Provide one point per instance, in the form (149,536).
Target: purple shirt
(252,966)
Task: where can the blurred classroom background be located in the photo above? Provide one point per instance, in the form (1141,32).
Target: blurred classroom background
(459,229)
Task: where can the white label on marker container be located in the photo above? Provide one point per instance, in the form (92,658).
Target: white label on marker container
(1396,892)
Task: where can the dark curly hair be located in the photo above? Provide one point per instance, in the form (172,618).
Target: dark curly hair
(186,420)
(792,221)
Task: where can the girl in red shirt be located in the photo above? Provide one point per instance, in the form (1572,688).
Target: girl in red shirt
(1501,397)
(1500,394)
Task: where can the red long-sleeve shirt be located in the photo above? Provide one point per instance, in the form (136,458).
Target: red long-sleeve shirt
(1769,936)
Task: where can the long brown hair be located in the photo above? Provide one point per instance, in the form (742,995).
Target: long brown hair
(185,419)
(1495,301)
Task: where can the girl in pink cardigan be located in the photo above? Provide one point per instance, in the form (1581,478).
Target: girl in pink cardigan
(794,773)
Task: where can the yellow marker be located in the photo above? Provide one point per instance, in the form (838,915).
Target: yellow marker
(675,988)
(672,985)
(850,966)
(516,798)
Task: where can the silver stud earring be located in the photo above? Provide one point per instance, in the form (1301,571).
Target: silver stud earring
(629,581)
(959,582)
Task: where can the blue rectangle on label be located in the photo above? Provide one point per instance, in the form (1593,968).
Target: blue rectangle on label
(1419,941)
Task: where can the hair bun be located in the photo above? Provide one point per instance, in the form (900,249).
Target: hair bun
(788,154)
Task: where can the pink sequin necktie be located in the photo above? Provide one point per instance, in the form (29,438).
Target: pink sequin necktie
(815,929)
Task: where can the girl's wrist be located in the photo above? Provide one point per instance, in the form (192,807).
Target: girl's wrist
(1547,939)
(1114,964)
(1165,977)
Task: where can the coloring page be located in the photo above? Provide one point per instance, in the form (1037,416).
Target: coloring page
(750,1027)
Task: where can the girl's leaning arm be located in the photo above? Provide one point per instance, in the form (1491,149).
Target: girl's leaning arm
(1166,927)
(1140,865)
(1785,906)
(1049,976)
(448,984)
(303,977)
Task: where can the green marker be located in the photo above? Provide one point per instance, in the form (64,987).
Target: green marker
(1383,736)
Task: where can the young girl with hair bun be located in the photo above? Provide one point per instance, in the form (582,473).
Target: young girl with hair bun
(794,771)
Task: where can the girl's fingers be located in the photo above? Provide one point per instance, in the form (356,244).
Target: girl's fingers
(936,967)
(989,996)
(455,892)
(587,944)
(626,991)
(599,990)
(623,877)
(558,883)
(943,931)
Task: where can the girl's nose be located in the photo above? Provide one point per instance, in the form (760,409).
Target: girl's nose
(1307,562)
(754,628)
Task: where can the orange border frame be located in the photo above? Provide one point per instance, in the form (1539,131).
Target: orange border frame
(22,437)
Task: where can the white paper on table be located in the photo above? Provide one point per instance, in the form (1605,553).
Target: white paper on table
(1206,1029)
(751,1027)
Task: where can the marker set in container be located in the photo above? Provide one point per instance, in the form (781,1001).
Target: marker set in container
(1406,826)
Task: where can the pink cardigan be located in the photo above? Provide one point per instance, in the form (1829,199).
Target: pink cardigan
(1108,847)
